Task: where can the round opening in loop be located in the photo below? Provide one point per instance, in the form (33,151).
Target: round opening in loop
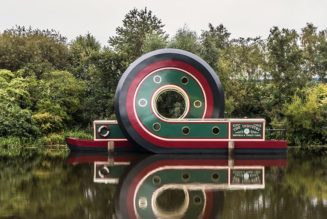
(170,102)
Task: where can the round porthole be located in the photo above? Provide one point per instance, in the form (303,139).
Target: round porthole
(184,80)
(186,130)
(156,126)
(215,130)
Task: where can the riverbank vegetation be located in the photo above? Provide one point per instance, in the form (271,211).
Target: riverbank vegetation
(49,85)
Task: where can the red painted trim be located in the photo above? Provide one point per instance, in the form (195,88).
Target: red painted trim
(209,208)
(80,159)
(269,144)
(77,142)
(266,163)
(86,159)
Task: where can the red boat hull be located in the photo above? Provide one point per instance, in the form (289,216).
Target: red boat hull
(88,145)
(240,147)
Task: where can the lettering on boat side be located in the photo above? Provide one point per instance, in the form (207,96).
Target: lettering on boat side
(247,130)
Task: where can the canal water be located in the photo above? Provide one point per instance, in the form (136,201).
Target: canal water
(292,185)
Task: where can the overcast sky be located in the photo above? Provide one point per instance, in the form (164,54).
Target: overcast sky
(243,18)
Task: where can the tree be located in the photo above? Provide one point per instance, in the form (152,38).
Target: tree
(285,59)
(61,97)
(15,117)
(306,116)
(102,73)
(187,40)
(34,50)
(213,42)
(240,67)
(314,45)
(130,37)
(153,42)
(310,42)
(322,57)
(81,49)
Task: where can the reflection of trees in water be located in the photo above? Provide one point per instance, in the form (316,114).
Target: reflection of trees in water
(299,191)
(51,189)
(308,178)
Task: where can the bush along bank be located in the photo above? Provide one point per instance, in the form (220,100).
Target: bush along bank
(52,145)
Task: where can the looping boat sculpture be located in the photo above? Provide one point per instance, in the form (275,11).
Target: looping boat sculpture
(192,124)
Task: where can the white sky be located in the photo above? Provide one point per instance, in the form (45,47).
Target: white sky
(243,18)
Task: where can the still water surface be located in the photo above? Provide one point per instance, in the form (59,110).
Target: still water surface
(129,186)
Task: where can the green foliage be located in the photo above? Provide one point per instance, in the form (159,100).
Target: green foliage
(153,42)
(81,49)
(314,51)
(79,134)
(214,41)
(48,122)
(285,59)
(187,40)
(50,145)
(240,69)
(306,116)
(62,94)
(34,50)
(30,106)
(52,139)
(103,71)
(15,117)
(16,121)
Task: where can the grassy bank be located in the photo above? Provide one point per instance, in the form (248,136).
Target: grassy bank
(52,145)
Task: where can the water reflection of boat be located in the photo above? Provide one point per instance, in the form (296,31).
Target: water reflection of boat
(176,186)
(181,186)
